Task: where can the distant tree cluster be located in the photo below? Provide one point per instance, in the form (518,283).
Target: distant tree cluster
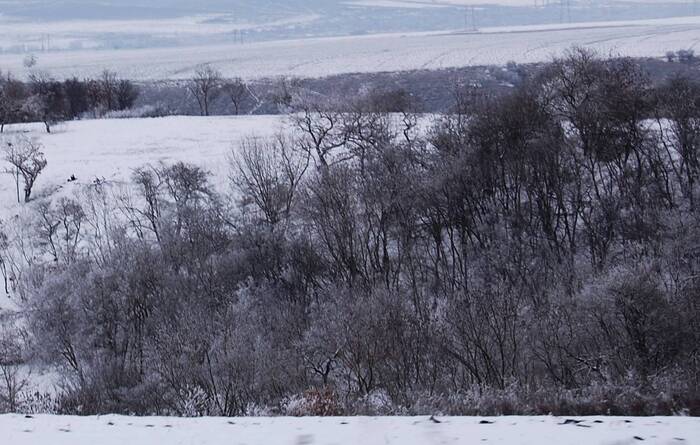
(44,99)
(529,252)
(686,56)
(207,86)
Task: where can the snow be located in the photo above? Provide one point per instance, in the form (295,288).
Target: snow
(111,149)
(315,57)
(117,430)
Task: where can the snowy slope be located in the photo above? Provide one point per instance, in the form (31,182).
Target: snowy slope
(375,52)
(115,430)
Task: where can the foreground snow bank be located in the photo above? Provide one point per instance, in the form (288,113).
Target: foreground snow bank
(118,430)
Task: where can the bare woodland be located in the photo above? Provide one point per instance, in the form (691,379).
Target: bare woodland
(535,251)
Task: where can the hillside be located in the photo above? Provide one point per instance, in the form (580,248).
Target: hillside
(317,57)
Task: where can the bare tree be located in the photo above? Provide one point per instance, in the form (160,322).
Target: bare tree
(12,380)
(3,261)
(284,92)
(59,227)
(126,94)
(28,161)
(680,107)
(323,128)
(267,174)
(12,95)
(109,83)
(47,102)
(236,90)
(205,86)
(76,93)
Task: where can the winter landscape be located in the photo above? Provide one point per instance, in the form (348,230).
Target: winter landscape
(349,221)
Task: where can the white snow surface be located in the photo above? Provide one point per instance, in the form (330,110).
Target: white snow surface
(110,149)
(316,57)
(117,430)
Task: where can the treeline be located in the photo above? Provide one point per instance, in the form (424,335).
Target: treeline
(431,90)
(44,99)
(530,252)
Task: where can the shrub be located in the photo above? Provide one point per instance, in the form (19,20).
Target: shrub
(314,402)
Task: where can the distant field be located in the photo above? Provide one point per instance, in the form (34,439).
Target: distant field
(377,52)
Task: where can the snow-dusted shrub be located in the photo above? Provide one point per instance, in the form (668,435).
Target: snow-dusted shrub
(294,405)
(145,111)
(256,410)
(376,403)
(193,401)
(660,396)
(38,403)
(314,402)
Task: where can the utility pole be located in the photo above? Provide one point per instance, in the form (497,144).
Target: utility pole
(565,10)
(561,11)
(470,18)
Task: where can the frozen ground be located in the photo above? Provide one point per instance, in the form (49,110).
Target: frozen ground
(108,430)
(375,53)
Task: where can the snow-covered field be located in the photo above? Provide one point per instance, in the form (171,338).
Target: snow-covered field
(111,149)
(108,430)
(316,57)
(82,34)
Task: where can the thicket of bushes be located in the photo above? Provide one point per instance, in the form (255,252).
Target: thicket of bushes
(44,99)
(532,252)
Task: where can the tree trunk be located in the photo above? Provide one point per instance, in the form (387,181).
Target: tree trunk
(17,184)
